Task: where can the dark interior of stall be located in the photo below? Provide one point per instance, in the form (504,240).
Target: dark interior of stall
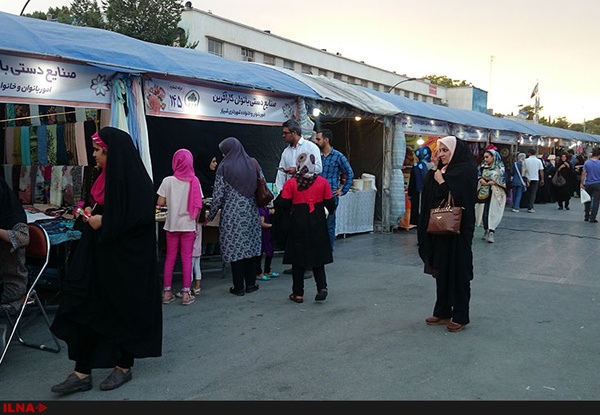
(362,144)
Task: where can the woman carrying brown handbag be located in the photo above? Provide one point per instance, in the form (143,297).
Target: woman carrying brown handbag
(449,258)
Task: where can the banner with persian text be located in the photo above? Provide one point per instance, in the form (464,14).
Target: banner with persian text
(42,81)
(168,98)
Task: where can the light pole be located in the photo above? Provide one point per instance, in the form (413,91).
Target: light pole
(404,80)
(23,9)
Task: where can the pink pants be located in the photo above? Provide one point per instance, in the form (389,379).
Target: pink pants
(179,242)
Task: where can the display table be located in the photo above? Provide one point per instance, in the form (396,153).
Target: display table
(355,212)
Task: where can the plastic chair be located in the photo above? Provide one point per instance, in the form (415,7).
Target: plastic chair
(39,250)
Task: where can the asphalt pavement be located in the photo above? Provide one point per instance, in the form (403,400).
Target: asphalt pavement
(534,333)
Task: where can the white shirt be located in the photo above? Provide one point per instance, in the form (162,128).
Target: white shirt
(289,157)
(533,165)
(178,217)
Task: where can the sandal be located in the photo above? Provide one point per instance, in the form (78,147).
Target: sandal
(168,297)
(196,291)
(272,275)
(189,300)
(296,298)
(263,277)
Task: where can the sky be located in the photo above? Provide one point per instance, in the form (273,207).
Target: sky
(504,47)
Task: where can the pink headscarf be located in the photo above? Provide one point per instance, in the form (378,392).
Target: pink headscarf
(450,142)
(97,190)
(183,169)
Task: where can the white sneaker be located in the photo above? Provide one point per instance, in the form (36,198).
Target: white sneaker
(516,210)
(485,236)
(530,210)
(490,238)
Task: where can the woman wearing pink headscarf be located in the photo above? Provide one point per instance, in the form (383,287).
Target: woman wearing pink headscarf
(182,193)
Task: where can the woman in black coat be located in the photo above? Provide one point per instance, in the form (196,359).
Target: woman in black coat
(110,311)
(562,193)
(449,259)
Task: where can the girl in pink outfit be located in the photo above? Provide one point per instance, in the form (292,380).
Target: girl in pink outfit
(182,194)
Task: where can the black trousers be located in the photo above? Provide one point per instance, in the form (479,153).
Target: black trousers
(88,341)
(452,299)
(259,269)
(242,273)
(298,279)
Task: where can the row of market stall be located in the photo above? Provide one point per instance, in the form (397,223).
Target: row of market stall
(169,98)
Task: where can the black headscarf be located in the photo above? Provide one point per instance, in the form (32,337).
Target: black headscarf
(128,186)
(204,172)
(11,209)
(237,168)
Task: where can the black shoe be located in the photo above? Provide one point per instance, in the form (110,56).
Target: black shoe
(287,271)
(566,207)
(593,221)
(321,295)
(236,292)
(116,379)
(586,219)
(560,208)
(73,384)
(252,288)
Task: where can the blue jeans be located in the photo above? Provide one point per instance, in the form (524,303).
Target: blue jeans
(517,193)
(331,223)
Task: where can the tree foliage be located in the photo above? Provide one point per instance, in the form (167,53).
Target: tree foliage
(149,20)
(59,14)
(443,80)
(153,21)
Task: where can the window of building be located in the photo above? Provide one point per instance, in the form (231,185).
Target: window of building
(247,55)
(287,64)
(350,80)
(322,72)
(376,86)
(406,94)
(269,60)
(306,69)
(364,83)
(215,47)
(337,76)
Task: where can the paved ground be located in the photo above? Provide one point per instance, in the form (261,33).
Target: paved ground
(534,332)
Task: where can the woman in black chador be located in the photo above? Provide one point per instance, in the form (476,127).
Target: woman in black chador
(449,259)
(111,309)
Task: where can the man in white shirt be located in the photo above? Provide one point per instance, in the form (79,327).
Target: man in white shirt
(292,133)
(534,171)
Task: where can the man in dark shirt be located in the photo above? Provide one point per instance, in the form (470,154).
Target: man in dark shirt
(334,165)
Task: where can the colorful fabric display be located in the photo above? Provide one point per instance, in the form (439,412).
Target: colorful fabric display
(9,156)
(25,146)
(51,142)
(42,145)
(62,158)
(17,145)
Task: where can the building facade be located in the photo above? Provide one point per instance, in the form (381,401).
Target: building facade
(236,41)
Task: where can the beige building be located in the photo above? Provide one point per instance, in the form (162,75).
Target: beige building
(236,41)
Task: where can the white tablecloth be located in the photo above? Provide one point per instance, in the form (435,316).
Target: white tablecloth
(355,212)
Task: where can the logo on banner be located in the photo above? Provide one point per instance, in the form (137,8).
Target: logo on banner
(192,98)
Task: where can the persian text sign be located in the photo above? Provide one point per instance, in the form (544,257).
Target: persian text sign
(176,99)
(419,125)
(39,80)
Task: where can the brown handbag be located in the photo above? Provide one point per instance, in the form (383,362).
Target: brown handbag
(445,220)
(264,196)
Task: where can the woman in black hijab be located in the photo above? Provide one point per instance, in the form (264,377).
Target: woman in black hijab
(111,309)
(14,237)
(449,259)
(207,170)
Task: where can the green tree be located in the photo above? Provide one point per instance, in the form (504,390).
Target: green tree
(445,81)
(87,13)
(60,14)
(149,20)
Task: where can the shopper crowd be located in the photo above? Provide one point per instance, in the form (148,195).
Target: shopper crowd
(110,312)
